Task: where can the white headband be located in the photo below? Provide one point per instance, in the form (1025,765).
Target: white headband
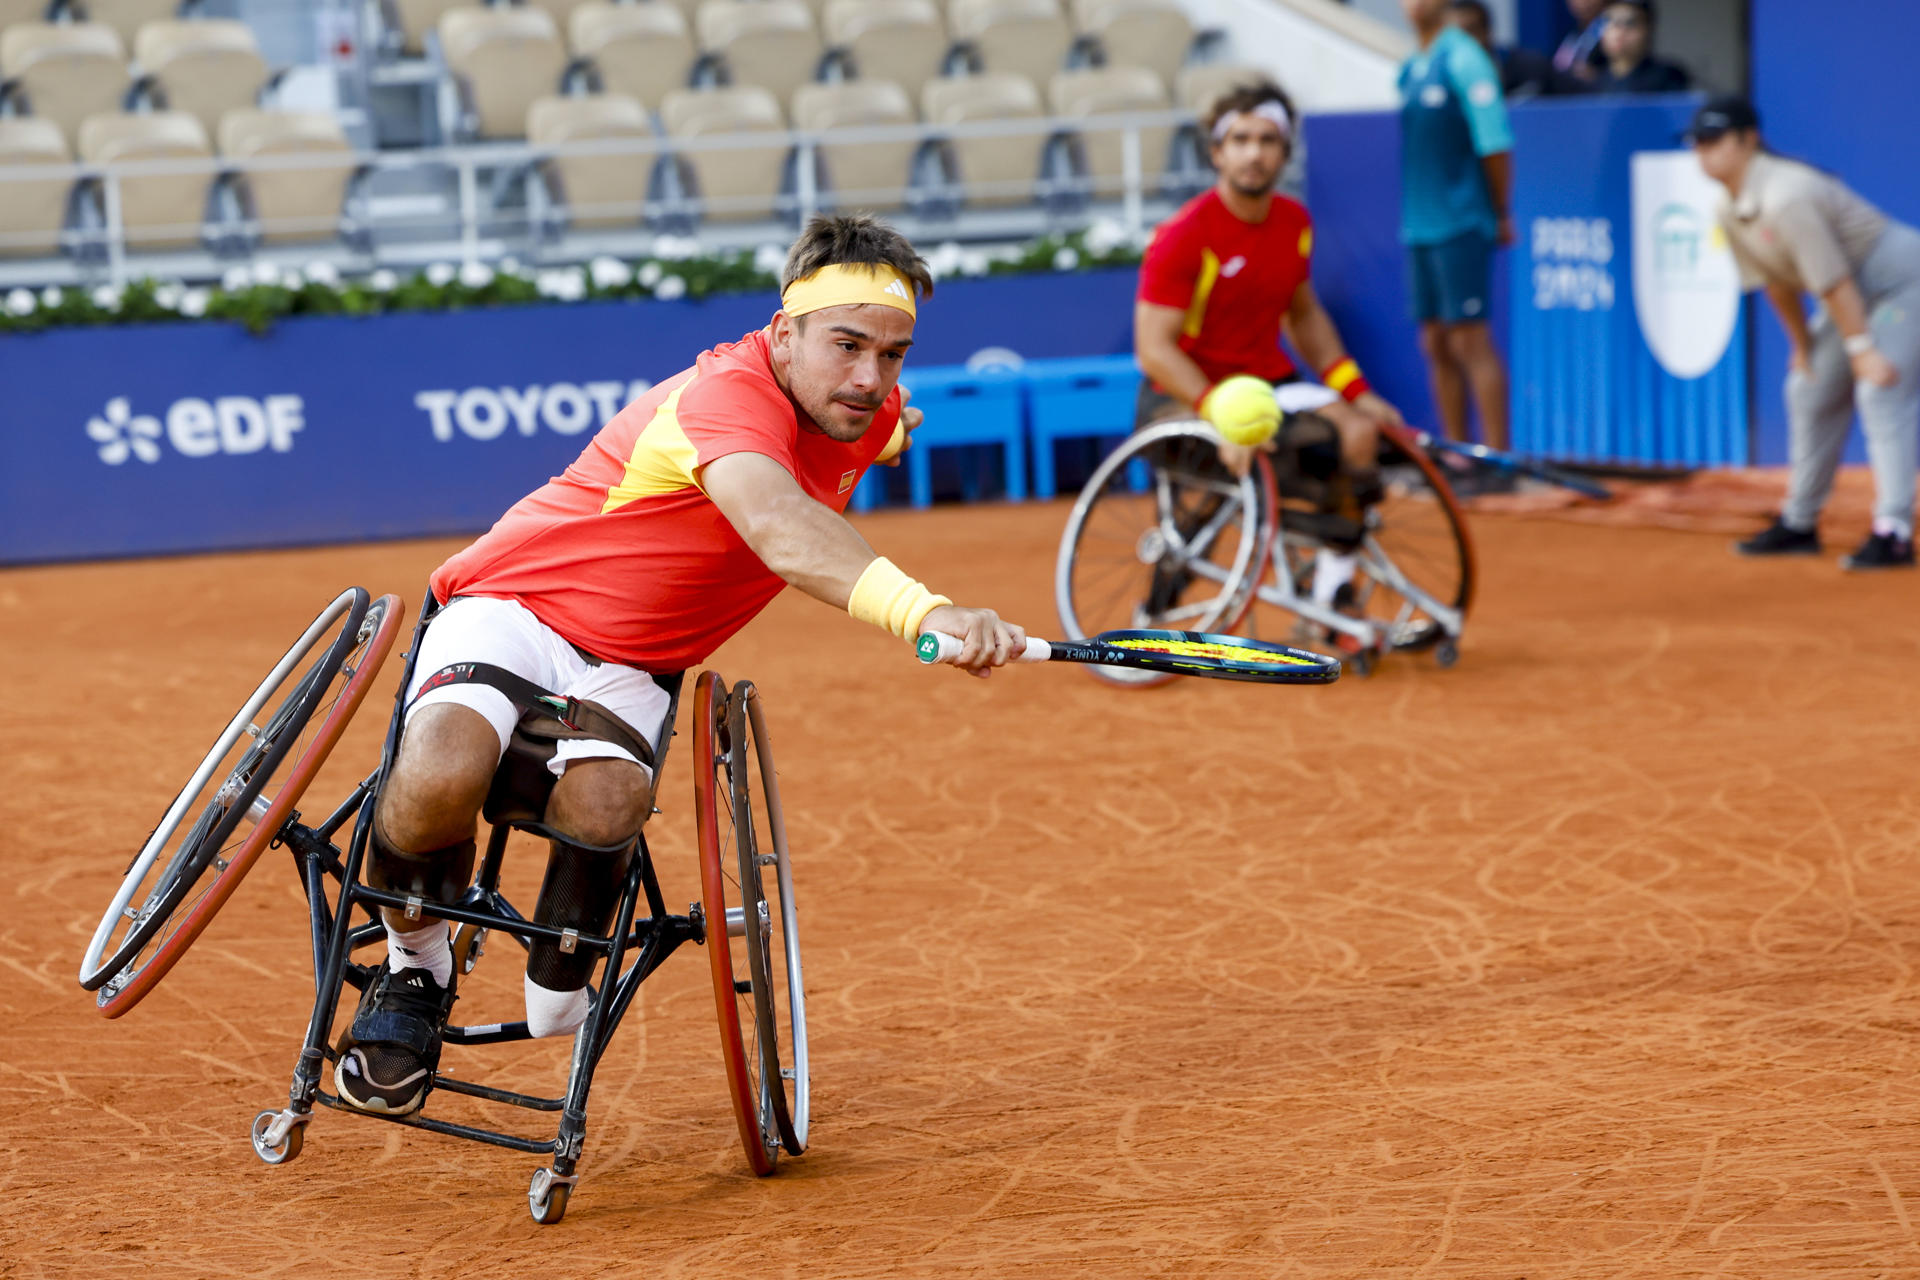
(1268,110)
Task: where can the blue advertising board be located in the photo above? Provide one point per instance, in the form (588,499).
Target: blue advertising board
(192,437)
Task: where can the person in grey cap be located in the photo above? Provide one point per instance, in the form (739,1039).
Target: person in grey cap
(1796,231)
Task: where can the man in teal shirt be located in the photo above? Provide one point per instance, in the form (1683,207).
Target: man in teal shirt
(1454,174)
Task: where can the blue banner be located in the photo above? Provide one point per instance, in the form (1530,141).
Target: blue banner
(171,438)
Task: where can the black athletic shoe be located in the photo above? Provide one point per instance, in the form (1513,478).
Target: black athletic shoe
(388,1058)
(1780,539)
(1881,551)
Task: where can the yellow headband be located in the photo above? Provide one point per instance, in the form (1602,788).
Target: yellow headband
(846,285)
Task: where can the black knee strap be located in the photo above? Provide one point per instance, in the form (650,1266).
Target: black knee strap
(580,892)
(439,875)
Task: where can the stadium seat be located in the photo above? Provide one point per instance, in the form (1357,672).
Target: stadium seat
(862,175)
(688,8)
(596,191)
(739,182)
(1091,93)
(503,60)
(770,43)
(904,41)
(32,211)
(995,171)
(1197,88)
(413,19)
(1155,34)
(159,211)
(291,204)
(126,17)
(63,73)
(561,11)
(14,12)
(1025,37)
(204,66)
(640,50)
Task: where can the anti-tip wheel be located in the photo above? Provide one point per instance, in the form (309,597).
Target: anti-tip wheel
(1447,652)
(547,1196)
(281,1147)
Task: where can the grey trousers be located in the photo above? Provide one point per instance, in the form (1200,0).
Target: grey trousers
(1821,402)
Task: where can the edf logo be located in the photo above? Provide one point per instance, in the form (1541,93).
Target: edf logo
(197,428)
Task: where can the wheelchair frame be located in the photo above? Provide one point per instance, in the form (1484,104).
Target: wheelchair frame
(769,1121)
(1269,574)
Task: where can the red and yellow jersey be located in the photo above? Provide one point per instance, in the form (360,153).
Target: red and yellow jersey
(1235,281)
(623,554)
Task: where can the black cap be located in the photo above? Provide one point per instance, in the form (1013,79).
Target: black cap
(1721,115)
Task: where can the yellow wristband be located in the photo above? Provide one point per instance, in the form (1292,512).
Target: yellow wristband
(892,601)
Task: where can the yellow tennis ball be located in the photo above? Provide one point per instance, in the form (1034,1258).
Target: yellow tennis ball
(1242,409)
(895,444)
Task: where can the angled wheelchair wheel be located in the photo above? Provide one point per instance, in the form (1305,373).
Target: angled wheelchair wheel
(1163,536)
(766,890)
(1417,563)
(724,907)
(238,799)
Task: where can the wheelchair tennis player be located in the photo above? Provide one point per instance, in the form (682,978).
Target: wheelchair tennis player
(1223,279)
(682,519)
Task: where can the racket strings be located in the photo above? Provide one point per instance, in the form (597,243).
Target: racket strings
(1211,649)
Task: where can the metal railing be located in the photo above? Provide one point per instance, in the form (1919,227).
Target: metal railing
(471,203)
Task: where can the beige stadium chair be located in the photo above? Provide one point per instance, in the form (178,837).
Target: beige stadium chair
(411,20)
(205,66)
(503,60)
(1026,37)
(862,175)
(32,210)
(640,50)
(561,11)
(1198,88)
(13,12)
(1089,94)
(159,211)
(689,9)
(291,204)
(1154,34)
(597,191)
(770,43)
(993,171)
(746,179)
(126,17)
(904,41)
(64,73)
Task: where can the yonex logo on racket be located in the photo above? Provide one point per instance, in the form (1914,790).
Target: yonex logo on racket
(197,428)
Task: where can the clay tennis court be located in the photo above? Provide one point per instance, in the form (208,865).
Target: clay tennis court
(1593,956)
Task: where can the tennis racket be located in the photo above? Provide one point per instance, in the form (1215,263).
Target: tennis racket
(1183,653)
(1510,462)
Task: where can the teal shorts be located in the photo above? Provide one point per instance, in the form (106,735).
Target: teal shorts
(1452,282)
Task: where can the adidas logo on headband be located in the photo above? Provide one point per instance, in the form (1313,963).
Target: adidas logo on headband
(898,289)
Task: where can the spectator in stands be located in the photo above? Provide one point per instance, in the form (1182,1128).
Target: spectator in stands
(1796,231)
(1578,57)
(1523,73)
(1627,44)
(1455,146)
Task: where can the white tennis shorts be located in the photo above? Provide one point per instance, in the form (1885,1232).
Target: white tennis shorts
(506,634)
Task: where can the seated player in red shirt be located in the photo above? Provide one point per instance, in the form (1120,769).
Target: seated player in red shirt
(1226,276)
(680,522)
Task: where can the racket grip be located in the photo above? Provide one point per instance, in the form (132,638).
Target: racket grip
(935,647)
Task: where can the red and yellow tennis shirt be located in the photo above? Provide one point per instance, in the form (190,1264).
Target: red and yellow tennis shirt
(623,554)
(1235,281)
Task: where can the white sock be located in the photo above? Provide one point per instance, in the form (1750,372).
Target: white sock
(554,1013)
(1331,571)
(427,948)
(1885,525)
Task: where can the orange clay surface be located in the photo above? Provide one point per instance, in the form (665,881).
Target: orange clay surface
(1593,956)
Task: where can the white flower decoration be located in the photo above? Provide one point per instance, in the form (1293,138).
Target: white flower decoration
(21,302)
(168,294)
(52,296)
(267,273)
(669,288)
(609,273)
(193,303)
(236,279)
(1105,235)
(106,297)
(441,274)
(1066,258)
(509,266)
(323,273)
(973,262)
(121,435)
(770,259)
(676,248)
(476,275)
(650,274)
(383,281)
(566,284)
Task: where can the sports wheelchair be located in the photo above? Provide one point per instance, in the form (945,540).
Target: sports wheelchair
(1162,535)
(241,800)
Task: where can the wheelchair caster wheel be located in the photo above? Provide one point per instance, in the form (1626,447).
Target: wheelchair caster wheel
(1447,652)
(547,1196)
(1360,664)
(277,1135)
(469,943)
